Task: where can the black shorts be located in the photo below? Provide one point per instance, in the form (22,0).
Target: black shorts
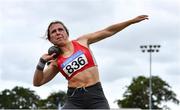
(91,97)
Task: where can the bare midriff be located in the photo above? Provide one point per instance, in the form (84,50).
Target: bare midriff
(85,78)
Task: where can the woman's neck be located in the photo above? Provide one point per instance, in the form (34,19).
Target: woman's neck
(67,49)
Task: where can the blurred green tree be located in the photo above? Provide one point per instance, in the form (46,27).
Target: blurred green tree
(53,101)
(18,98)
(137,93)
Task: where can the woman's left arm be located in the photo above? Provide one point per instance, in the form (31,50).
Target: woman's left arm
(109,31)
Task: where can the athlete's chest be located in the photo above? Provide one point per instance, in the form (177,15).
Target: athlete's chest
(73,63)
(77,62)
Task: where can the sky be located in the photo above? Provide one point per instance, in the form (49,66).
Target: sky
(23,25)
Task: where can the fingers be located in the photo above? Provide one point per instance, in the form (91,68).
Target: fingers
(143,17)
(51,58)
(48,57)
(52,55)
(140,18)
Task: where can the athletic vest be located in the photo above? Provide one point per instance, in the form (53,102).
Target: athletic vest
(80,60)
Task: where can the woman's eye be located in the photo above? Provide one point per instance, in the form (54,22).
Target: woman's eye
(60,29)
(53,31)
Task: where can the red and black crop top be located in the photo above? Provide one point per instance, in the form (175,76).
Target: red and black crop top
(80,60)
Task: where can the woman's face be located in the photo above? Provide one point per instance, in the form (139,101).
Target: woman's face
(57,34)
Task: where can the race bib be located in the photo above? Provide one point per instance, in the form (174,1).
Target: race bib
(74,63)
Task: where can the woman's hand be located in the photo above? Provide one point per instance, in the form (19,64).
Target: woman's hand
(48,57)
(139,18)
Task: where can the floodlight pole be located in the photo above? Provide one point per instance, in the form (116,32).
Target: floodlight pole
(150,81)
(150,49)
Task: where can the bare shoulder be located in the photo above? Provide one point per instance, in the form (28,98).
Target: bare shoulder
(83,40)
(94,37)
